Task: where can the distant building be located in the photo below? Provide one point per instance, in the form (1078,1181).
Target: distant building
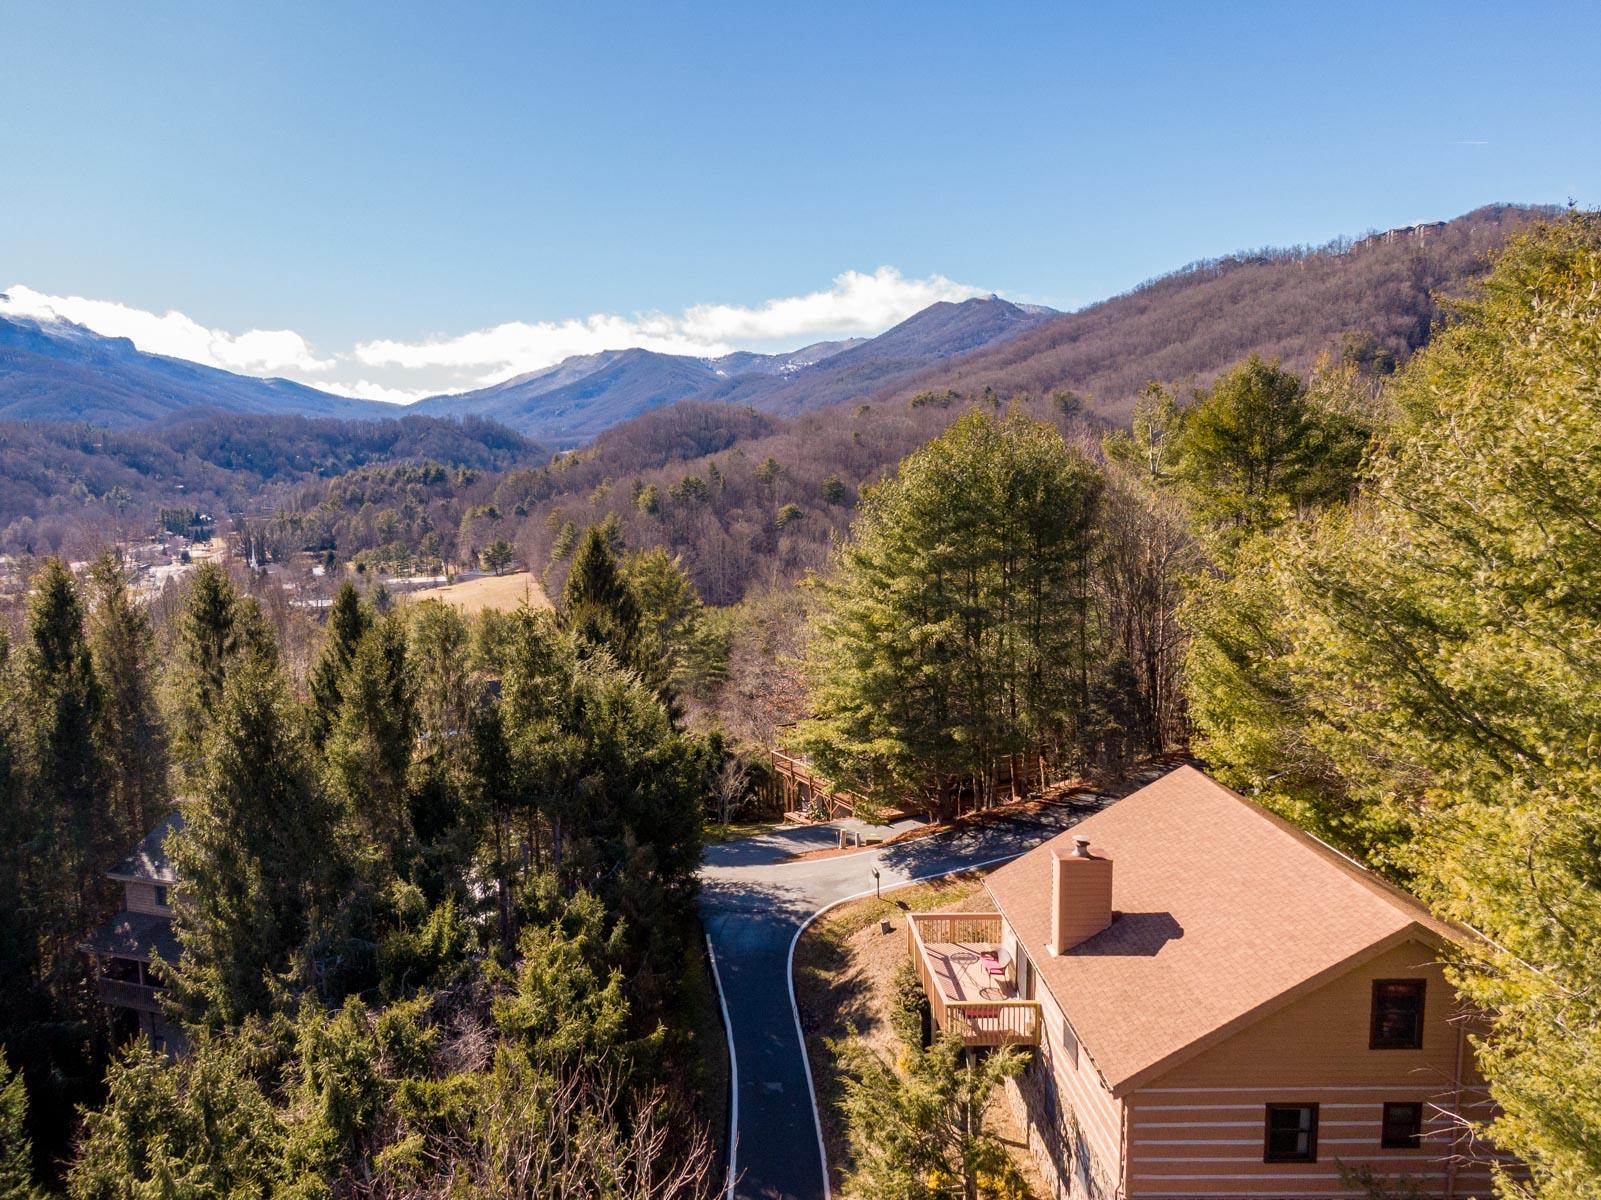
(134,947)
(1220,1005)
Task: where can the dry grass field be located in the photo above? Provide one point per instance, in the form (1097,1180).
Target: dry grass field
(504,592)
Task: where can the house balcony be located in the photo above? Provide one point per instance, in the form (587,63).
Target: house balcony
(971,988)
(123,993)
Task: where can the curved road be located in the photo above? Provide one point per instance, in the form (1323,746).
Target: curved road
(753,904)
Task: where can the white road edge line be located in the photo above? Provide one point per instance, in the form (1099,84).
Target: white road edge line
(733,1072)
(800,1034)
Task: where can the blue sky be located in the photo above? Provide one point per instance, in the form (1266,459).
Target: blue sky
(465,189)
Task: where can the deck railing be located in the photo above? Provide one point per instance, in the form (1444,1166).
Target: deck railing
(119,993)
(797,787)
(977,1022)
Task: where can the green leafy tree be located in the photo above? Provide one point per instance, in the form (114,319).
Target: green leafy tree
(446,808)
(121,643)
(21,842)
(202,1128)
(256,854)
(921,1133)
(1256,448)
(677,640)
(617,792)
(348,620)
(952,635)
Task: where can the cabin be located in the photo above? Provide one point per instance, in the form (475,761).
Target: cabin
(1219,1005)
(132,948)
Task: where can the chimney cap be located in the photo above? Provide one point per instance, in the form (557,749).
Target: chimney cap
(1081,845)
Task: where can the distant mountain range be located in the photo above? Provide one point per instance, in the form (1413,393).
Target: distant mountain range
(1187,326)
(58,371)
(575,400)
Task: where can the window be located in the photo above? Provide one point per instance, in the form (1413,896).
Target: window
(1025,976)
(161,896)
(1291,1133)
(1403,1126)
(1070,1043)
(1397,1014)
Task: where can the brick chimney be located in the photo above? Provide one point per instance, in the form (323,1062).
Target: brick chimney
(1081,895)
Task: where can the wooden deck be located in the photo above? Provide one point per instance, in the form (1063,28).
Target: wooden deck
(984,1010)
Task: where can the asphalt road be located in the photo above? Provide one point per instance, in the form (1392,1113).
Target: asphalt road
(753,904)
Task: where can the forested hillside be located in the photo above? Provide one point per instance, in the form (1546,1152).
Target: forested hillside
(67,488)
(754,500)
(434,936)
(1377,295)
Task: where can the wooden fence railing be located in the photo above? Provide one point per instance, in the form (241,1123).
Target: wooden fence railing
(976,1022)
(795,787)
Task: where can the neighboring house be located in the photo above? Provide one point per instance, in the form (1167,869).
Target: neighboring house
(1222,1005)
(133,947)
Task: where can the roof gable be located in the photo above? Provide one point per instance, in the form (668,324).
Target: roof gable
(149,862)
(1224,913)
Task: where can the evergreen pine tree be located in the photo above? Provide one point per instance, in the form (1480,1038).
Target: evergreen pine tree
(347,621)
(369,748)
(72,825)
(121,642)
(257,850)
(20,841)
(597,603)
(16,1149)
(207,639)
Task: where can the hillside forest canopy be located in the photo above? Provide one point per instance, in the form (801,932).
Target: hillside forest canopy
(437,931)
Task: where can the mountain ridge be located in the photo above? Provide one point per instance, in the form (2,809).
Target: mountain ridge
(56,370)
(574,401)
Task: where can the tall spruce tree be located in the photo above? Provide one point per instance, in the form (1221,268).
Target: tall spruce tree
(257,852)
(614,786)
(207,639)
(121,642)
(597,603)
(370,745)
(348,620)
(445,811)
(74,834)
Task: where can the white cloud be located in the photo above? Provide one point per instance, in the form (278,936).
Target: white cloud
(856,304)
(519,346)
(254,352)
(365,389)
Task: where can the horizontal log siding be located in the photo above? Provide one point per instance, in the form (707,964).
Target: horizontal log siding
(1199,1129)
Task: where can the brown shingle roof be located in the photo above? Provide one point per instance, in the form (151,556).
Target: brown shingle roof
(1224,912)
